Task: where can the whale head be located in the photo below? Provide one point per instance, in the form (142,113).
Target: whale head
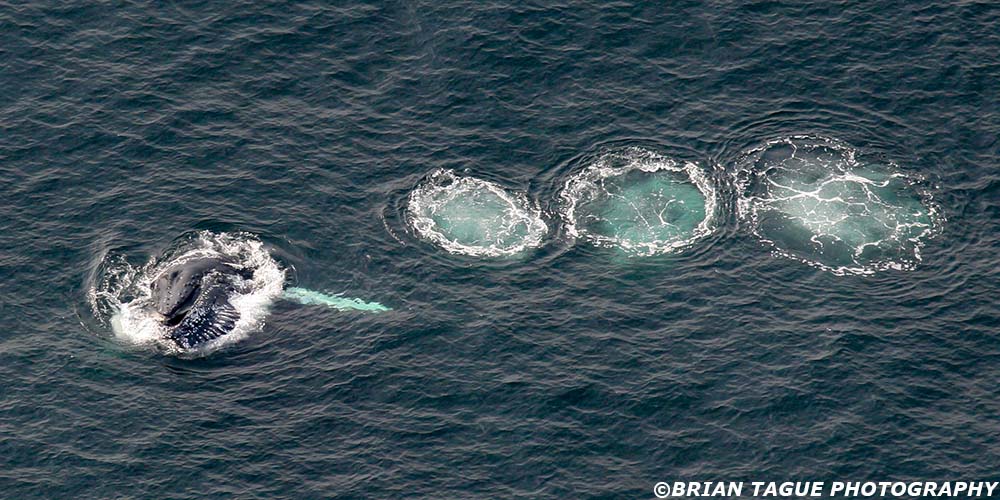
(192,298)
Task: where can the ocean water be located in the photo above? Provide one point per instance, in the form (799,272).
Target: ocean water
(566,370)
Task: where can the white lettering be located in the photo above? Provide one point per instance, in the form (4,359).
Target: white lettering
(868,489)
(735,490)
(902,489)
(817,489)
(930,489)
(679,490)
(771,490)
(882,486)
(945,490)
(852,489)
(804,489)
(976,489)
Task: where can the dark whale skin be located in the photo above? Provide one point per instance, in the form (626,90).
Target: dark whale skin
(210,317)
(193,299)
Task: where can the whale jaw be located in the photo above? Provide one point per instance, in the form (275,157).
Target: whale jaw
(205,322)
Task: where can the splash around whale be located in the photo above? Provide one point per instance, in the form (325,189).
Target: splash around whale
(207,291)
(204,292)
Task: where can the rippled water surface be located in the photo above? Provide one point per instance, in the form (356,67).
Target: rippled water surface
(564,369)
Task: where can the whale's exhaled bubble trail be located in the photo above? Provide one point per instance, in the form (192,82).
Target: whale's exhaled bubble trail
(311,297)
(472,216)
(814,201)
(124,297)
(639,201)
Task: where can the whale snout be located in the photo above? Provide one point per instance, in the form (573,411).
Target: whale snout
(174,292)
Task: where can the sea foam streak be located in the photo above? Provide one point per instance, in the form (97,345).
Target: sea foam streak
(310,297)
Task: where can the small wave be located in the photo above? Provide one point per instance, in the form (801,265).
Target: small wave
(639,201)
(812,200)
(123,295)
(466,215)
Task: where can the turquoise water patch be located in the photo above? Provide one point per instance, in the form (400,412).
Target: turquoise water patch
(811,199)
(312,297)
(471,216)
(639,201)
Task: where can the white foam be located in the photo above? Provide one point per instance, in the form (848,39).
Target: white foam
(860,218)
(649,232)
(466,215)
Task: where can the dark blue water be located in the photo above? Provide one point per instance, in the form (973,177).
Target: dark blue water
(568,372)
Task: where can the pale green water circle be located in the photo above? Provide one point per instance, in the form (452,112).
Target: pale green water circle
(471,216)
(640,202)
(812,200)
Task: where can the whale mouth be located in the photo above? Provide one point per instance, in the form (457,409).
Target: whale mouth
(174,320)
(222,309)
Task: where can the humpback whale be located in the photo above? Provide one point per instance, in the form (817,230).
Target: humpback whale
(206,291)
(192,299)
